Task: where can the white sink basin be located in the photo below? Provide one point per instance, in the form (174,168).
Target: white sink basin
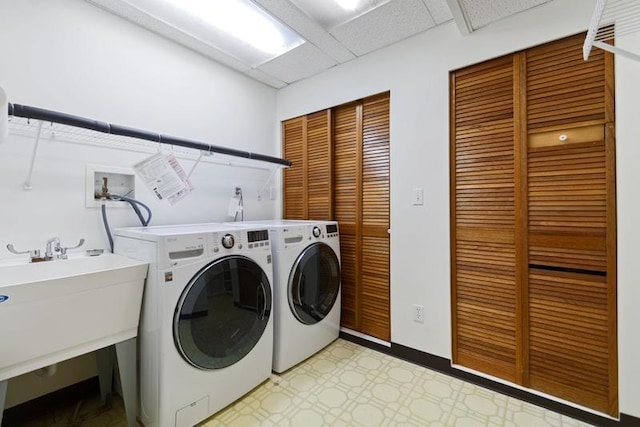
(54,310)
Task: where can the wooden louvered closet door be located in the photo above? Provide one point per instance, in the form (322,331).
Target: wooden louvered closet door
(347,183)
(362,185)
(483,218)
(571,224)
(374,229)
(533,222)
(308,182)
(357,162)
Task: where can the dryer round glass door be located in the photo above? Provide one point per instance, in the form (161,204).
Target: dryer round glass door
(222,313)
(314,283)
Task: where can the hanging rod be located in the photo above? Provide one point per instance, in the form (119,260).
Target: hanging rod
(36,113)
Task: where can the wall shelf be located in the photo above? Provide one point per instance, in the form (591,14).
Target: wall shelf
(83,130)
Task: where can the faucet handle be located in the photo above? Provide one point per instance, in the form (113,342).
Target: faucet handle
(63,250)
(33,253)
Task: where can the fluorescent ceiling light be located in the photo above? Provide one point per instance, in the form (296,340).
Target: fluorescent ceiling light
(241,19)
(236,27)
(348,4)
(333,13)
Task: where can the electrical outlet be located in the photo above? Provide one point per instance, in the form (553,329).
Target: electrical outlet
(418,313)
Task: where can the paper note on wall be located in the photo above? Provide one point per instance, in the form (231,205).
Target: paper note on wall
(165,177)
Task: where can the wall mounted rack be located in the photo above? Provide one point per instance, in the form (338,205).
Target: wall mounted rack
(36,113)
(611,19)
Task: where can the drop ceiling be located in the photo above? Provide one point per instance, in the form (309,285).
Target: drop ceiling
(330,38)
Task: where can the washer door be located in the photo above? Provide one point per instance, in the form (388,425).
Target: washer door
(314,283)
(222,313)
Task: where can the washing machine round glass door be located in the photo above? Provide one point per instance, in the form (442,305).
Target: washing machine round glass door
(314,283)
(222,313)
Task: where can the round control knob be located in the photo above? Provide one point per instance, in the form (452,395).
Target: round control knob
(228,241)
(316,231)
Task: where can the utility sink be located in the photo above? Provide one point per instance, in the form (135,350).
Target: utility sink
(54,310)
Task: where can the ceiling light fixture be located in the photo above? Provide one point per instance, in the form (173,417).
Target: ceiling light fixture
(241,19)
(239,30)
(348,4)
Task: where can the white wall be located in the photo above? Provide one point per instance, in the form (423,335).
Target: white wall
(416,72)
(70,56)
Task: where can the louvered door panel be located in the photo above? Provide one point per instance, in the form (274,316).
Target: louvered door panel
(349,318)
(568,205)
(569,336)
(483,248)
(293,137)
(375,304)
(571,200)
(345,164)
(486,305)
(375,314)
(345,176)
(319,174)
(562,88)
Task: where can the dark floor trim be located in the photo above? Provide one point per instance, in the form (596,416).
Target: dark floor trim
(443,365)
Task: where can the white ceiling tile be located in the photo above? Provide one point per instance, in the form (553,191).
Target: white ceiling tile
(385,25)
(482,12)
(333,13)
(298,21)
(439,10)
(299,63)
(389,22)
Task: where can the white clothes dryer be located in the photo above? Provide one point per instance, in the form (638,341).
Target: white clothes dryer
(307,301)
(206,329)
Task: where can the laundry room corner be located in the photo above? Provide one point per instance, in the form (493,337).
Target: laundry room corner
(86,62)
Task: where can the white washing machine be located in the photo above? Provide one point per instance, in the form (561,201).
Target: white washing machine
(206,328)
(307,302)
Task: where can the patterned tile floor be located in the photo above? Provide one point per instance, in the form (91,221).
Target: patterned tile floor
(348,385)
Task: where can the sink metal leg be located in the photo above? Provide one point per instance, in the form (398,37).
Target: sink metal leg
(105,358)
(126,351)
(3,395)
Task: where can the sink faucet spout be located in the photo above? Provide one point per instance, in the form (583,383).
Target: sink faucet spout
(53,245)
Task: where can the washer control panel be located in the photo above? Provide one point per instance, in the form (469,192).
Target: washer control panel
(258,238)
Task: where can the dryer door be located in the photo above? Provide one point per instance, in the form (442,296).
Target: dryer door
(222,313)
(314,283)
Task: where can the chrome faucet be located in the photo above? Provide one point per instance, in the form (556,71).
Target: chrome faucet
(53,244)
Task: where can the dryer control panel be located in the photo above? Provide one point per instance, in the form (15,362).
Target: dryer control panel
(332,230)
(237,241)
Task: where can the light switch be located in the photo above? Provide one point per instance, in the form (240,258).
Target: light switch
(418,197)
